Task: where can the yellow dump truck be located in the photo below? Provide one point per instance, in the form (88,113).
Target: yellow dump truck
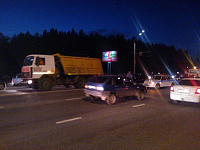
(45,71)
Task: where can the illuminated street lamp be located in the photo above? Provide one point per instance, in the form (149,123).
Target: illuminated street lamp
(134,46)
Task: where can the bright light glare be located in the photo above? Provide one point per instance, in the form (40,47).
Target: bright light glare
(140,34)
(152,82)
(91,87)
(86,86)
(172,88)
(100,88)
(149,77)
(197,91)
(30,81)
(143,31)
(172,77)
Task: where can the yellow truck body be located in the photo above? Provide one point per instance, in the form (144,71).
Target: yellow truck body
(80,65)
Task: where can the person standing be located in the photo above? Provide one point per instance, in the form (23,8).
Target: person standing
(129,75)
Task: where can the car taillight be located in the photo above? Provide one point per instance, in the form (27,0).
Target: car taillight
(197,91)
(86,86)
(99,88)
(172,88)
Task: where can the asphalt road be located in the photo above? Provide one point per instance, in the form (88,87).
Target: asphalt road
(66,119)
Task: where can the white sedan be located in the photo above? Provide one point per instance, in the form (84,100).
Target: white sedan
(188,90)
(17,80)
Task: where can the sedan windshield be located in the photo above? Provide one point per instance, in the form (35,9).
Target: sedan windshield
(28,61)
(157,77)
(190,82)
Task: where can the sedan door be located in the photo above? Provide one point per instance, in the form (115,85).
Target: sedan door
(120,87)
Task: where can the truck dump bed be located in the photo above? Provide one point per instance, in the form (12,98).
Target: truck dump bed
(80,65)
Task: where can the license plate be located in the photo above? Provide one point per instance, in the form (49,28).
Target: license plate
(183,91)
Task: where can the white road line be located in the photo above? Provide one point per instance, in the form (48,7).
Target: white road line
(61,90)
(70,99)
(138,105)
(39,92)
(68,120)
(1,107)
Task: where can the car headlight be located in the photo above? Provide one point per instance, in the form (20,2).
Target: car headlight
(152,82)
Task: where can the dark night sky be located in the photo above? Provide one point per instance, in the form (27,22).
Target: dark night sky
(171,22)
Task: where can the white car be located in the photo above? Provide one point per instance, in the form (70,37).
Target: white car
(188,90)
(17,80)
(158,81)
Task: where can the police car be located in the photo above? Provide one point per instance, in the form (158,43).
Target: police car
(158,81)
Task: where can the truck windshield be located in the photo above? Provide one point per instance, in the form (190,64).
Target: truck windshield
(28,61)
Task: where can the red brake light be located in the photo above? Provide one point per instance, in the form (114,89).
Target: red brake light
(172,88)
(197,91)
(86,86)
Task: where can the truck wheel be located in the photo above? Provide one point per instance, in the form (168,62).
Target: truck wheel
(157,86)
(45,84)
(2,86)
(80,82)
(140,95)
(111,99)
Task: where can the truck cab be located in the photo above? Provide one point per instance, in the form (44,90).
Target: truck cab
(36,67)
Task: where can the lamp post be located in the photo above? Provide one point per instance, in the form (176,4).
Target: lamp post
(134,49)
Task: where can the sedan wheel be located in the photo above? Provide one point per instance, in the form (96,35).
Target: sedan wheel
(2,86)
(157,86)
(111,99)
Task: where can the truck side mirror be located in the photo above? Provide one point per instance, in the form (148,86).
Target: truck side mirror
(37,61)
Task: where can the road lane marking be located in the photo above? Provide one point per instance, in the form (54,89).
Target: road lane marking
(68,120)
(1,107)
(70,99)
(138,105)
(34,92)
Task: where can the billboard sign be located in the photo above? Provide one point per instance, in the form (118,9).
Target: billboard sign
(109,56)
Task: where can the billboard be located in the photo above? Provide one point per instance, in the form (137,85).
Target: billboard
(109,56)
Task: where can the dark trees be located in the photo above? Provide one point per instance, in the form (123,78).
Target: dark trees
(150,57)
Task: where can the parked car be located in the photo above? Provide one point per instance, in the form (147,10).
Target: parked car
(5,80)
(158,81)
(111,87)
(187,90)
(17,80)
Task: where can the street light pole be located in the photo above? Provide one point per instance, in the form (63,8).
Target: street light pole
(134,49)
(134,57)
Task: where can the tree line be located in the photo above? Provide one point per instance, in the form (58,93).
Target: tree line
(149,57)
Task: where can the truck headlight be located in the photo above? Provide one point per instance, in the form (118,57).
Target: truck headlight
(30,81)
